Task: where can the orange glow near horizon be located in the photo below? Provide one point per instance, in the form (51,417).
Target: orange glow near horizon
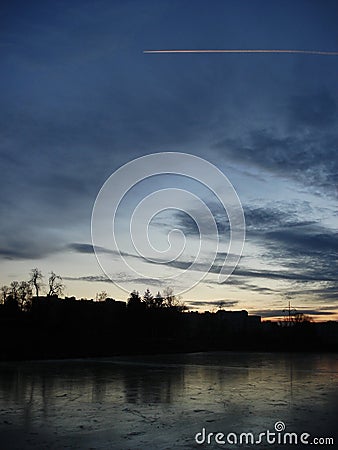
(314,318)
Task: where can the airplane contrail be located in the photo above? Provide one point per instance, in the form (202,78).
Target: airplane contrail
(304,52)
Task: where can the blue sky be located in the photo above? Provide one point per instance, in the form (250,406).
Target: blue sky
(80,99)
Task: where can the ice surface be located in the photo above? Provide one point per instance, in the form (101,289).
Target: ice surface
(161,402)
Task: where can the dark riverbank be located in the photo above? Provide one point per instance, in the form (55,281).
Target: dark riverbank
(69,328)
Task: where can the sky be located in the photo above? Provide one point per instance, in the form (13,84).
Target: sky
(80,99)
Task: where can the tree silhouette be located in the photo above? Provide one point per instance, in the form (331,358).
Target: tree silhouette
(24,295)
(148,299)
(158,301)
(134,301)
(55,285)
(302,318)
(36,280)
(19,293)
(14,290)
(171,300)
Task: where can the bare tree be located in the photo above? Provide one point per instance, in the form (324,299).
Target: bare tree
(55,284)
(36,280)
(172,301)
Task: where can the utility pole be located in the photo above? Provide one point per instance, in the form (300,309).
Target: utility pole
(288,313)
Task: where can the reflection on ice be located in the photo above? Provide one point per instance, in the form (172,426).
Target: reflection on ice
(162,401)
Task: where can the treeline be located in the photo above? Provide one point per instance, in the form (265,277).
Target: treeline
(54,327)
(167,300)
(47,326)
(20,293)
(36,322)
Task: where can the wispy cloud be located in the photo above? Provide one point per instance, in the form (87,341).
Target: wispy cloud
(213,303)
(304,150)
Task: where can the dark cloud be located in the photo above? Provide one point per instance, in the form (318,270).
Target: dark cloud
(302,276)
(137,281)
(304,251)
(81,248)
(281,229)
(265,218)
(322,292)
(120,277)
(213,303)
(304,241)
(309,158)
(188,225)
(243,284)
(89,249)
(90,278)
(282,275)
(284,237)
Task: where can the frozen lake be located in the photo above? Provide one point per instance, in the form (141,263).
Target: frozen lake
(161,402)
